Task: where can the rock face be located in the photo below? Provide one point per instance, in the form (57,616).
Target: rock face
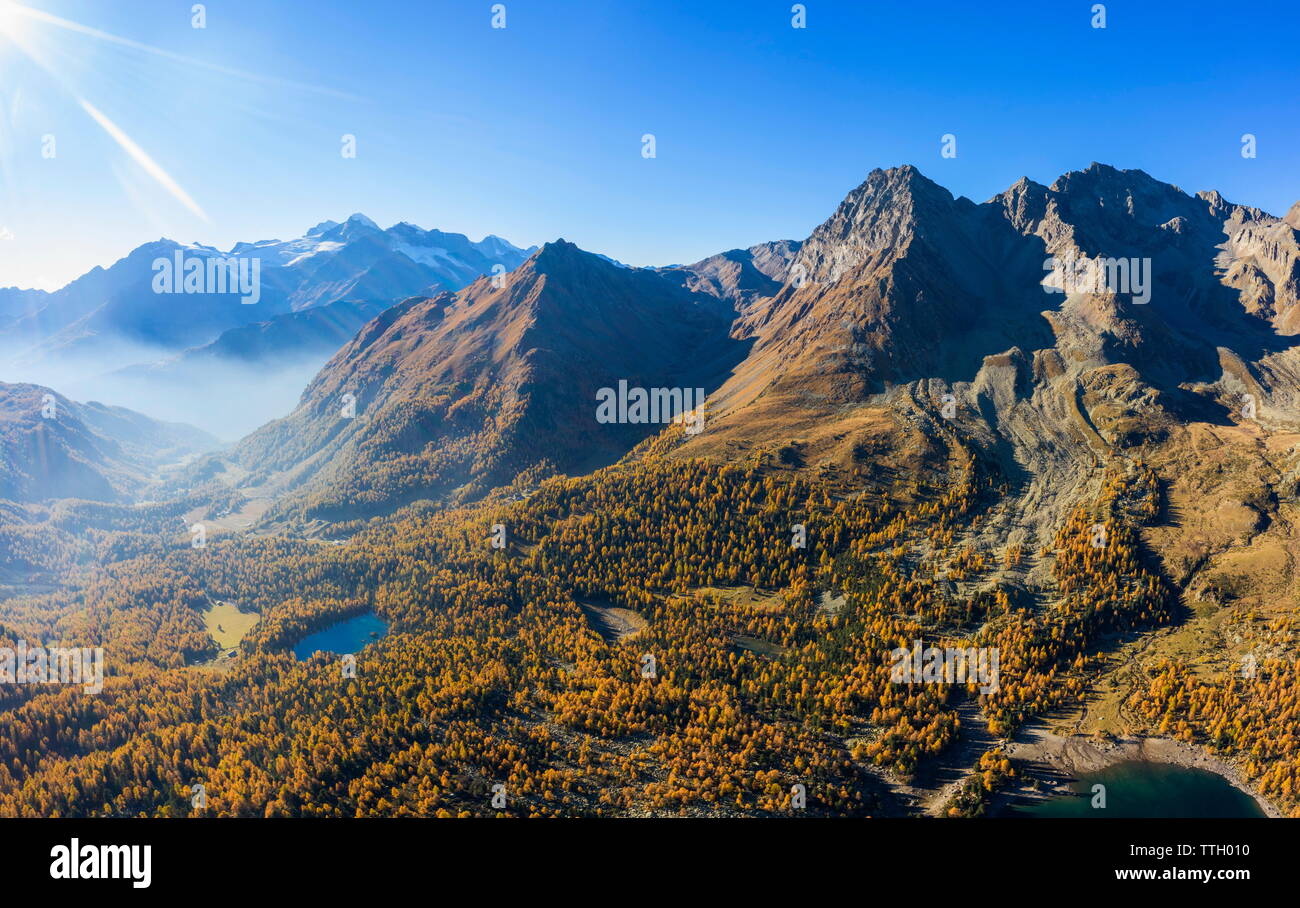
(739,276)
(906,294)
(902,282)
(905,282)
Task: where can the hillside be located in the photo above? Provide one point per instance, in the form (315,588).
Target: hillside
(456,394)
(55,448)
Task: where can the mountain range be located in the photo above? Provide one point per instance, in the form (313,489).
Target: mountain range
(841,344)
(906,314)
(184,355)
(906,294)
(458,393)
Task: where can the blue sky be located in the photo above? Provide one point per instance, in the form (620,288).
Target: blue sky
(533,132)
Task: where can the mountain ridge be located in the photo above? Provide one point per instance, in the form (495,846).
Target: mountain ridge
(111,333)
(457,393)
(903,294)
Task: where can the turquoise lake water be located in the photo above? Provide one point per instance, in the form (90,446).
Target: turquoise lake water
(1140,789)
(345,637)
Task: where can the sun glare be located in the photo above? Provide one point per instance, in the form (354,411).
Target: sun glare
(12,19)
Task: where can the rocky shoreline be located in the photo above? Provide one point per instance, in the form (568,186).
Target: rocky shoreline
(1053,761)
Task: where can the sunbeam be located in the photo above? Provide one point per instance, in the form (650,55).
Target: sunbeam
(12,18)
(14,13)
(141,157)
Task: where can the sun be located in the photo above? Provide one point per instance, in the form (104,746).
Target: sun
(12,20)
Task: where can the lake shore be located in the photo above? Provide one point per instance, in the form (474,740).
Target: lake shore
(1056,760)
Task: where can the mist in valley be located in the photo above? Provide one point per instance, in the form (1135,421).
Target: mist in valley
(226,398)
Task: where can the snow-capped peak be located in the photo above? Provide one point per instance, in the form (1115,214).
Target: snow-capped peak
(362,220)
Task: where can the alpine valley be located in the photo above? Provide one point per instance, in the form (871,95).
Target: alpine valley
(920,429)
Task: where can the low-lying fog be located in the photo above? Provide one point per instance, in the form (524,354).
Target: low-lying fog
(227,398)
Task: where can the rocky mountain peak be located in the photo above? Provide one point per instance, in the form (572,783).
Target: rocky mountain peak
(1293,216)
(559,254)
(884,213)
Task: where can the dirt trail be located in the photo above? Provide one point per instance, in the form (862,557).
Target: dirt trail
(937,779)
(942,779)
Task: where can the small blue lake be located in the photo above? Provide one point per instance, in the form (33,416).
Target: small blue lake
(345,637)
(1140,789)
